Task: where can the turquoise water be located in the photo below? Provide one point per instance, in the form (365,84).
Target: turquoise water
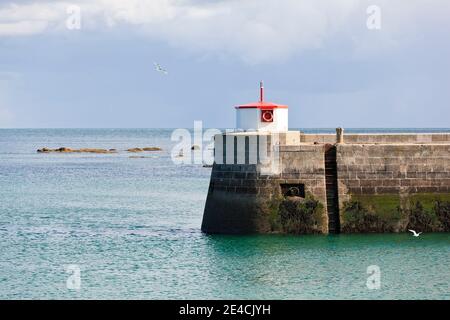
(132,226)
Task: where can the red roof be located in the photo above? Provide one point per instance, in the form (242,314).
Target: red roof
(261,104)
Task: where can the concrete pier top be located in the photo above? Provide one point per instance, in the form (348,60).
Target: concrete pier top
(298,137)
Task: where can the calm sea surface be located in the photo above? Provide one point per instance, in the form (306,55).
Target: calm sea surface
(132,226)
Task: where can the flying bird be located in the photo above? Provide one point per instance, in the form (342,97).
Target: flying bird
(415,234)
(159,68)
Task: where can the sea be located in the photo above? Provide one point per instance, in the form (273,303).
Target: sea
(127,226)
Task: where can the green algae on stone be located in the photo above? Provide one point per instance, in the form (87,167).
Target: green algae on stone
(358,218)
(296,215)
(442,209)
(273,208)
(419,218)
(425,212)
(429,200)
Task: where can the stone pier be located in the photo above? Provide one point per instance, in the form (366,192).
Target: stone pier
(282,183)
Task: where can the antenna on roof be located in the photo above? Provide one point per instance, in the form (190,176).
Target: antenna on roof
(261,91)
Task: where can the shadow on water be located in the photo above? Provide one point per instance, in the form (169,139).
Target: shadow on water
(283,243)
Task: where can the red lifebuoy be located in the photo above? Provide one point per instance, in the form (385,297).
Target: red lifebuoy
(267,116)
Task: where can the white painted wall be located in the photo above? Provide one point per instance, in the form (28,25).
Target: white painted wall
(249,119)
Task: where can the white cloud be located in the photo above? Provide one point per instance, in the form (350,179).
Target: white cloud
(28,19)
(22,28)
(253,30)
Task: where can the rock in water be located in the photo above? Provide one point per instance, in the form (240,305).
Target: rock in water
(152,149)
(68,150)
(144,149)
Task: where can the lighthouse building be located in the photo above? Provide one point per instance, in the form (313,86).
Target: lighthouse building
(262,115)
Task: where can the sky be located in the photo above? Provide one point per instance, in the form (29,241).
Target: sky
(349,63)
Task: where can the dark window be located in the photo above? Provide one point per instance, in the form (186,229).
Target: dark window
(293,190)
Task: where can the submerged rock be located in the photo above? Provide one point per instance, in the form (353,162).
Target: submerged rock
(94,150)
(144,149)
(69,150)
(152,149)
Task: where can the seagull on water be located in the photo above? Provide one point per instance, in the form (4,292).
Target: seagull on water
(415,234)
(159,68)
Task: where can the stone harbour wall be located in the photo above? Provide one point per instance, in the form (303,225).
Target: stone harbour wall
(384,183)
(417,138)
(244,199)
(389,184)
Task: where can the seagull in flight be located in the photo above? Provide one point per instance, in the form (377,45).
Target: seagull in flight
(159,68)
(415,234)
